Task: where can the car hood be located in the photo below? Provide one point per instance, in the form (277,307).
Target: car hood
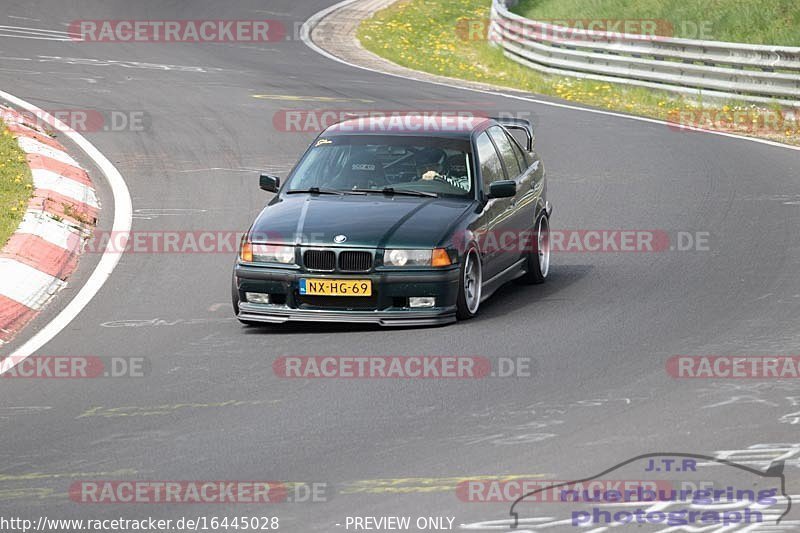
(372,221)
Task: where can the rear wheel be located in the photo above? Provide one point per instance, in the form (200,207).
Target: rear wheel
(469,294)
(538,260)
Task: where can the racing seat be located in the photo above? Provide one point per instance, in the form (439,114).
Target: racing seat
(457,166)
(457,174)
(363,171)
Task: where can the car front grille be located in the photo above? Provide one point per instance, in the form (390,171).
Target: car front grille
(320,260)
(350,261)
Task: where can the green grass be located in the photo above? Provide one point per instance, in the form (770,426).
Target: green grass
(428,35)
(16,184)
(774,22)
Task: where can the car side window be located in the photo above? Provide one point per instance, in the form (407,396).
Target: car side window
(522,157)
(491,169)
(506,151)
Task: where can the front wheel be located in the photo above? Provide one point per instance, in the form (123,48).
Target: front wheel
(469,294)
(538,260)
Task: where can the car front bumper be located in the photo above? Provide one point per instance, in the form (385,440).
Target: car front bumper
(387,307)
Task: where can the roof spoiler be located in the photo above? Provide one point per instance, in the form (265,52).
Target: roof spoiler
(519,124)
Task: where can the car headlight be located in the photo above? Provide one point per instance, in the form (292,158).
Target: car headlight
(401,258)
(270,253)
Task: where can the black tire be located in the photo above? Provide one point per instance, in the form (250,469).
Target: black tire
(468,303)
(536,269)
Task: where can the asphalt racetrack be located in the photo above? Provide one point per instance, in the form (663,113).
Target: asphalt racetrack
(598,333)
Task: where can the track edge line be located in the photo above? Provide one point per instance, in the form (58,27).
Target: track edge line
(123,210)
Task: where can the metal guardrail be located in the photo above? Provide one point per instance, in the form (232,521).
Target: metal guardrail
(707,69)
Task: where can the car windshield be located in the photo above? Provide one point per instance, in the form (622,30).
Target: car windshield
(347,163)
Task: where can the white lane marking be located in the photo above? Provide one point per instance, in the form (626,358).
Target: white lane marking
(32,288)
(123,64)
(159,322)
(47,179)
(110,258)
(305,36)
(114,63)
(59,33)
(32,146)
(24,32)
(15,36)
(152,213)
(57,233)
(248,170)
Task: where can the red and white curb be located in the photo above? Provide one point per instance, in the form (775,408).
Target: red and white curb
(43,252)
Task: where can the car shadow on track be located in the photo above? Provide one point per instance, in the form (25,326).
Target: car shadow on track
(510,298)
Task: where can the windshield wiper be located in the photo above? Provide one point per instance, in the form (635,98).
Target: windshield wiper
(404,192)
(315,190)
(323,190)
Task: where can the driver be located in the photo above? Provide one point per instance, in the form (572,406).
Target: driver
(431,164)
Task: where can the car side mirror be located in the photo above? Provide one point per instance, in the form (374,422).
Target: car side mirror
(269,183)
(502,189)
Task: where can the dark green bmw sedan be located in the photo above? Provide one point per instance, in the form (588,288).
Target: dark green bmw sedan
(407,220)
